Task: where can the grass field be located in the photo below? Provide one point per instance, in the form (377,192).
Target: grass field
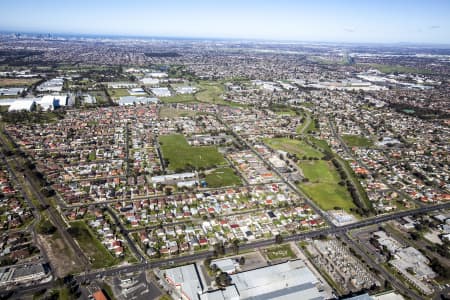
(222,177)
(170,112)
(10,82)
(117,93)
(398,69)
(188,98)
(181,155)
(307,118)
(280,252)
(297,147)
(91,246)
(323,185)
(323,145)
(100,97)
(210,92)
(357,140)
(286,112)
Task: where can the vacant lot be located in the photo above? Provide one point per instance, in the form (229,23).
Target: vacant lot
(280,252)
(323,186)
(182,156)
(170,112)
(222,177)
(357,141)
(297,147)
(62,258)
(91,246)
(10,82)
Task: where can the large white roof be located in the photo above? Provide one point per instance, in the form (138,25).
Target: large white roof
(289,280)
(21,105)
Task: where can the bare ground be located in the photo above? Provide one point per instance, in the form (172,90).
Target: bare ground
(62,258)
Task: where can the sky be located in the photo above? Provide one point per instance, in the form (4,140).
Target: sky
(373,21)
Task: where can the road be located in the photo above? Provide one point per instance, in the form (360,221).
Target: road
(53,214)
(349,152)
(55,217)
(324,216)
(397,284)
(125,234)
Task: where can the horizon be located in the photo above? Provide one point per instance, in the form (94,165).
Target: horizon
(95,36)
(354,22)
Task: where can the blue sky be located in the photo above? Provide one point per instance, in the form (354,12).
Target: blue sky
(387,21)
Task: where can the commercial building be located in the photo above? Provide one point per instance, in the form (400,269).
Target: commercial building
(161,92)
(22,104)
(226,265)
(289,280)
(22,274)
(51,102)
(174,178)
(185,280)
(131,100)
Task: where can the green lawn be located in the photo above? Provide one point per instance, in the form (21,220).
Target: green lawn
(170,112)
(399,69)
(357,141)
(100,96)
(180,98)
(322,144)
(286,112)
(91,246)
(210,92)
(297,147)
(319,171)
(279,252)
(181,155)
(323,185)
(117,93)
(222,177)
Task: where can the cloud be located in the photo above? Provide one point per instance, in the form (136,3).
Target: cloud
(432,27)
(349,29)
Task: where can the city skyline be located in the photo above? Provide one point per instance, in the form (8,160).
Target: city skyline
(322,21)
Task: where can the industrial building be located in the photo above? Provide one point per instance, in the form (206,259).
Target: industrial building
(131,100)
(185,280)
(288,280)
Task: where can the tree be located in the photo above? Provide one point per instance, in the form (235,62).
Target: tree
(235,246)
(223,279)
(45,227)
(278,239)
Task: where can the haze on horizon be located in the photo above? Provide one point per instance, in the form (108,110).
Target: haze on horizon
(383,21)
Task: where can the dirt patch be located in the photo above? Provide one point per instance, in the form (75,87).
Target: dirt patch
(62,258)
(9,82)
